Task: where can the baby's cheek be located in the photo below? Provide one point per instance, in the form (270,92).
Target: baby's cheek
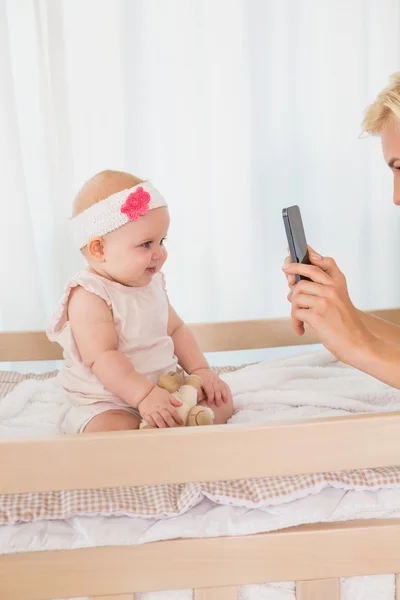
(164,255)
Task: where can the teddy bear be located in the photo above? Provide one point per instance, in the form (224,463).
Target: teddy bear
(185,389)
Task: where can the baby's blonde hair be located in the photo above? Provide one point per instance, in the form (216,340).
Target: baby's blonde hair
(386,106)
(101,186)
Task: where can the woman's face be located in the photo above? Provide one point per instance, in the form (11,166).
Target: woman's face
(390,138)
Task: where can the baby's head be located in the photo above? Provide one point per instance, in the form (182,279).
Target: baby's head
(120,223)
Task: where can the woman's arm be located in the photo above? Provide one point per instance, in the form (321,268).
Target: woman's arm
(383,330)
(381,360)
(324,305)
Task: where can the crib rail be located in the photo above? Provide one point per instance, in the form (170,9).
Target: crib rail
(314,555)
(212,337)
(199,454)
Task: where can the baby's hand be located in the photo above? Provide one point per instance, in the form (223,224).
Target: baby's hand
(157,409)
(214,390)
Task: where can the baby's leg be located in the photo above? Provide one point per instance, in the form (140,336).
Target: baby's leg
(112,420)
(222,413)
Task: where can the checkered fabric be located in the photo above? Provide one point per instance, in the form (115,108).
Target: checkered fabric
(163,501)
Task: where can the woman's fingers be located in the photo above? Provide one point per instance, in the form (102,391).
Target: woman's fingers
(298,326)
(312,289)
(305,301)
(291,279)
(327,264)
(313,272)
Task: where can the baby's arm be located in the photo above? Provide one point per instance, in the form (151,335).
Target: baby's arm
(190,358)
(97,341)
(187,350)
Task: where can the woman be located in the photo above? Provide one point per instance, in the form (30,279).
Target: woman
(363,341)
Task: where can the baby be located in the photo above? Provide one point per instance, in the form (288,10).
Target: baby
(114,321)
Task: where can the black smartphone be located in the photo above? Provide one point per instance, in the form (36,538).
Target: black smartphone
(296,237)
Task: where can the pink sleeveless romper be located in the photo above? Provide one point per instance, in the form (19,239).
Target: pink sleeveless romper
(141,321)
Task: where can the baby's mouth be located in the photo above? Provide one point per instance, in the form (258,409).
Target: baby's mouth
(151,270)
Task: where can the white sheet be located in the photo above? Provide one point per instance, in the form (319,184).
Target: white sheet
(302,387)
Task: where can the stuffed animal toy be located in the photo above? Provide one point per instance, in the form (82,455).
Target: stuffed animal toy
(185,389)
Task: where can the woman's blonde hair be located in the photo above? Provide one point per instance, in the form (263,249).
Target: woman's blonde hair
(387,105)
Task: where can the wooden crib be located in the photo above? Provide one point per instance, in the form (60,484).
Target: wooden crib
(314,556)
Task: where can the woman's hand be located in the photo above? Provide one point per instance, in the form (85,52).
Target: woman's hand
(325,306)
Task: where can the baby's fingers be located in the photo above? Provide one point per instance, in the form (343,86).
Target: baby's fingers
(150,421)
(168,418)
(226,393)
(217,394)
(175,402)
(158,418)
(201,395)
(209,391)
(176,418)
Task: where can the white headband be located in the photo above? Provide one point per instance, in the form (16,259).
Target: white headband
(115,211)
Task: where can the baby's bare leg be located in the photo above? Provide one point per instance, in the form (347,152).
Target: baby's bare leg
(112,420)
(222,413)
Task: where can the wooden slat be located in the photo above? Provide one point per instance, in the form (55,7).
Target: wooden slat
(222,593)
(117,597)
(304,553)
(212,337)
(325,589)
(227,452)
(397,579)
(27,345)
(267,333)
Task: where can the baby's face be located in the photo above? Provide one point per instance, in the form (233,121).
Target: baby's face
(135,252)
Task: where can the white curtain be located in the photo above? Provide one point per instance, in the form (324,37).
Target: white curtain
(234,108)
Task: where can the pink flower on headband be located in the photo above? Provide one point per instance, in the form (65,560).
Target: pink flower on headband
(137,204)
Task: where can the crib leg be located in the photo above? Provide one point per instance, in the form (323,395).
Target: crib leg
(324,589)
(398,586)
(221,593)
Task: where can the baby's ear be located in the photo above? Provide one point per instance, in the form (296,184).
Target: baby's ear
(95,249)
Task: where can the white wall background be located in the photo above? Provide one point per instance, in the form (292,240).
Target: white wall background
(234,108)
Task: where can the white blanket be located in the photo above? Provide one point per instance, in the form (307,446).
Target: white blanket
(300,387)
(306,386)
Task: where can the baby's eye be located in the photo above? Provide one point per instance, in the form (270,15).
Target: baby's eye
(146,245)
(162,241)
